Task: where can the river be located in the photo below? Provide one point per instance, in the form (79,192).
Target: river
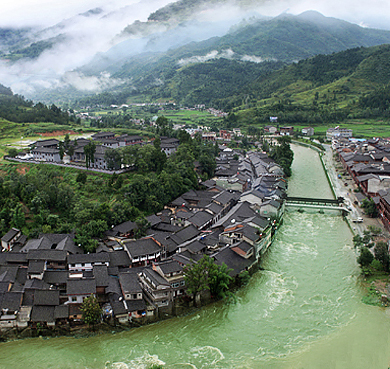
(304,311)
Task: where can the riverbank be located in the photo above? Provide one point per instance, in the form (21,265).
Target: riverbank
(377,284)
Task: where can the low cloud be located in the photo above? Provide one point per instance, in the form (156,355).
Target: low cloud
(225,54)
(81,82)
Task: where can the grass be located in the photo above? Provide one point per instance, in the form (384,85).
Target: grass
(375,284)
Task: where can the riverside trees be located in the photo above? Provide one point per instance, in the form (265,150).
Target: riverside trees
(206,275)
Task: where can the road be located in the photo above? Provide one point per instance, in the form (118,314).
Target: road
(348,193)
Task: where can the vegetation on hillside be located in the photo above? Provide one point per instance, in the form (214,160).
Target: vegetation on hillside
(60,200)
(16,108)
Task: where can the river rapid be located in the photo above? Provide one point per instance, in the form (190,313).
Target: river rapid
(303,311)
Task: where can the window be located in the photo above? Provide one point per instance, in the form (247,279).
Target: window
(74,298)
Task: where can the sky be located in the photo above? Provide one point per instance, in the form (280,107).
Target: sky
(373,13)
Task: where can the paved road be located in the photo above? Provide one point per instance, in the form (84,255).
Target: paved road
(348,194)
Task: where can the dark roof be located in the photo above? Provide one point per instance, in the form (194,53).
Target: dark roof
(141,247)
(61,312)
(185,234)
(233,261)
(225,196)
(4,286)
(129,283)
(134,305)
(101,257)
(200,218)
(170,266)
(118,307)
(10,234)
(49,255)
(81,287)
(55,276)
(35,284)
(155,277)
(47,297)
(42,314)
(119,258)
(8,273)
(11,301)
(48,142)
(153,220)
(101,275)
(196,247)
(16,257)
(125,227)
(36,266)
(113,286)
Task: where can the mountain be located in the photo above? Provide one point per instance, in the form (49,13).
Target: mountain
(326,88)
(213,71)
(140,48)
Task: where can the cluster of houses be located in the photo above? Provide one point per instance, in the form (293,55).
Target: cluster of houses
(45,280)
(368,163)
(49,150)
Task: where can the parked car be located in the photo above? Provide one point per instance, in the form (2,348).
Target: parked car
(358,220)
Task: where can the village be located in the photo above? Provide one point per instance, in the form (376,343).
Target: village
(232,219)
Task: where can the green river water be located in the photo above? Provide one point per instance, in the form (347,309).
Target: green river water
(303,311)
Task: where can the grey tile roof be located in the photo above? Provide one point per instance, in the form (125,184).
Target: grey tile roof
(49,255)
(141,247)
(11,301)
(55,276)
(170,266)
(129,283)
(200,218)
(233,261)
(42,314)
(47,297)
(101,275)
(119,259)
(81,287)
(10,234)
(125,227)
(36,266)
(101,257)
(61,312)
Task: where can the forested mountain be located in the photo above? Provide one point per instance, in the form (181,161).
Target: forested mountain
(113,51)
(16,108)
(351,84)
(213,70)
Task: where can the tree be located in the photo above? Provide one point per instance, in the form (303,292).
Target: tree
(382,254)
(12,152)
(196,277)
(89,151)
(91,310)
(365,258)
(113,159)
(142,226)
(283,154)
(205,274)
(219,280)
(370,208)
(81,177)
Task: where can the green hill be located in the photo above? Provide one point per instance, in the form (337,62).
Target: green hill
(350,84)
(215,71)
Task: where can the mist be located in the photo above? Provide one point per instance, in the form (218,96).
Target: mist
(89,43)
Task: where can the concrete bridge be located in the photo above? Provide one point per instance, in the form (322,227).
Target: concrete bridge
(316,203)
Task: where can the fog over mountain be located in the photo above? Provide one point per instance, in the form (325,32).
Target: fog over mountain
(48,45)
